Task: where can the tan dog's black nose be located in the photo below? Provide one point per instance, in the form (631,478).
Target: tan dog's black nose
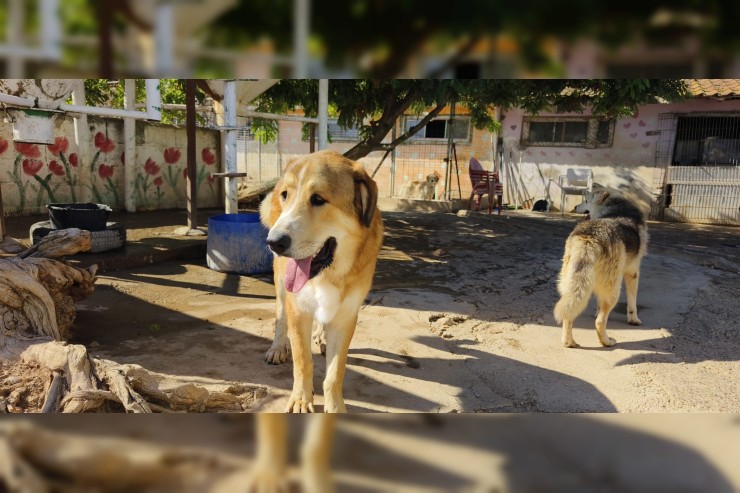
(280,245)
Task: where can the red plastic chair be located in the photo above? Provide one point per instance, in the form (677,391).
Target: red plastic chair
(484,182)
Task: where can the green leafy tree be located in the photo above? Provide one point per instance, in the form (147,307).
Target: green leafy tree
(110,93)
(379,38)
(374,106)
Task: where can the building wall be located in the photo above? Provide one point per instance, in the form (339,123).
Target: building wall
(34,175)
(531,173)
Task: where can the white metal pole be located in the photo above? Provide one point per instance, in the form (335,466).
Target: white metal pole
(163,37)
(323,113)
(232,206)
(301,27)
(16,15)
(129,146)
(51,31)
(83,142)
(153,100)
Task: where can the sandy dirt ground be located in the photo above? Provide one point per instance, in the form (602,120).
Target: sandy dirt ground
(459,320)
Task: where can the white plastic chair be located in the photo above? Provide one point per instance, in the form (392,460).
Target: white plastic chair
(578,181)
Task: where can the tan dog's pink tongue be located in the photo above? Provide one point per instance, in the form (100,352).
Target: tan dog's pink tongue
(296,275)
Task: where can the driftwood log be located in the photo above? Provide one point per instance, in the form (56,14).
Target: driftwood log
(37,311)
(37,460)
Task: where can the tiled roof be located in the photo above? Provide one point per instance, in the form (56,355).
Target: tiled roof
(708,88)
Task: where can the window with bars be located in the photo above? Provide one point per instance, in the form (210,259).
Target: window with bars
(567,131)
(437,129)
(338,133)
(707,141)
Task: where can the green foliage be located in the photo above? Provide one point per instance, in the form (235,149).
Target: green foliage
(373,105)
(110,93)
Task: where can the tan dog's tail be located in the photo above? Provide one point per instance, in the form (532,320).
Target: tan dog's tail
(577,279)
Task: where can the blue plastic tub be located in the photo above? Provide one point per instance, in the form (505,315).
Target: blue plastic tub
(237,243)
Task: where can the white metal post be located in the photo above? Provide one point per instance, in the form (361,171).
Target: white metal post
(164,37)
(232,206)
(301,27)
(16,16)
(83,142)
(153,100)
(51,31)
(129,146)
(323,113)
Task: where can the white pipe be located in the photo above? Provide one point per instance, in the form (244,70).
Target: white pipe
(17,101)
(153,100)
(163,37)
(229,104)
(129,146)
(112,112)
(153,106)
(301,26)
(272,116)
(323,113)
(51,31)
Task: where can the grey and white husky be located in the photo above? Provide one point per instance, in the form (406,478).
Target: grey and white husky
(600,251)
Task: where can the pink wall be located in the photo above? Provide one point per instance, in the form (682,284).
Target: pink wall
(629,164)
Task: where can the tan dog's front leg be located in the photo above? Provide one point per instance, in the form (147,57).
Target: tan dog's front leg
(338,337)
(269,474)
(279,351)
(299,333)
(316,454)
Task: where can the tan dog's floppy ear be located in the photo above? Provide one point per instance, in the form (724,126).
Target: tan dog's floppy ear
(270,210)
(366,195)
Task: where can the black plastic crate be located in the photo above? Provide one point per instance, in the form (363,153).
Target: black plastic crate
(92,217)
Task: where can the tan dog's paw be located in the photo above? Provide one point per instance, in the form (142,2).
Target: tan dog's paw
(267,479)
(633,320)
(317,480)
(299,405)
(608,342)
(570,343)
(278,353)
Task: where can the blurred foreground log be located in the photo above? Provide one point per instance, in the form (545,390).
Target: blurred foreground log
(37,460)
(37,311)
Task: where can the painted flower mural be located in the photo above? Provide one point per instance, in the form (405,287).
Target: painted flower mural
(171,157)
(105,146)
(56,168)
(59,149)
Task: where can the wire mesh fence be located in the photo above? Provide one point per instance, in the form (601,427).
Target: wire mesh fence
(418,169)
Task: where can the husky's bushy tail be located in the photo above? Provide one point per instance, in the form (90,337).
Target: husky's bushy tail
(577,278)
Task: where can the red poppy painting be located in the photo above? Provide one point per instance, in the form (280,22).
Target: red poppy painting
(105,171)
(208,156)
(61,144)
(103,143)
(73,159)
(32,166)
(158,181)
(28,150)
(56,168)
(171,155)
(3,145)
(150,167)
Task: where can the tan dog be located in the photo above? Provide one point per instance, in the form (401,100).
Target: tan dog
(326,232)
(599,253)
(425,190)
(269,474)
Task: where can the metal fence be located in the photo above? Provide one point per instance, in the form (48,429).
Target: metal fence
(416,169)
(697,177)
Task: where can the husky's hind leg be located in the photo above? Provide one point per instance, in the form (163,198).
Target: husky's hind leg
(631,280)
